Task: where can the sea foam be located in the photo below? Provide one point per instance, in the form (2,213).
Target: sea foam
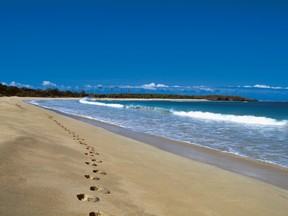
(251,134)
(86,101)
(245,119)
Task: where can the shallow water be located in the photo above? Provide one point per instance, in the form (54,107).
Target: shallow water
(256,130)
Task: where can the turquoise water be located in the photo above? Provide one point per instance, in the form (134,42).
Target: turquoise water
(256,130)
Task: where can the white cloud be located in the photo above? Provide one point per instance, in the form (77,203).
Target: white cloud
(246,86)
(261,86)
(153,86)
(161,86)
(125,86)
(94,86)
(150,86)
(13,83)
(3,83)
(203,88)
(48,83)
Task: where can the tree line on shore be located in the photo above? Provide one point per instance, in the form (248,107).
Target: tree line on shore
(28,92)
(172,96)
(53,93)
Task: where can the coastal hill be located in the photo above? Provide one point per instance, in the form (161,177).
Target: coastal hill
(28,92)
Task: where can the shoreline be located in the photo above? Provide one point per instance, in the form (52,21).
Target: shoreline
(55,165)
(266,172)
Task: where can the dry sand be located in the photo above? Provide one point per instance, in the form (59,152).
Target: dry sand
(54,165)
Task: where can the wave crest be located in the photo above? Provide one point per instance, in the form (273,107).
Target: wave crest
(96,103)
(246,119)
(147,108)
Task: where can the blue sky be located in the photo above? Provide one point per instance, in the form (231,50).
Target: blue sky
(237,47)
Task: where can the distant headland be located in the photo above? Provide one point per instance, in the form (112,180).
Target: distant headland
(172,96)
(53,93)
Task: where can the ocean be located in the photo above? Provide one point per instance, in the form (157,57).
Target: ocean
(254,130)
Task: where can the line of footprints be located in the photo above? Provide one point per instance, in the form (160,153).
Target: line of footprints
(93,162)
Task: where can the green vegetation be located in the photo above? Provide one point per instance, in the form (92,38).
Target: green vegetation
(27,92)
(172,96)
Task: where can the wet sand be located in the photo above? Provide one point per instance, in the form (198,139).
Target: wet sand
(265,172)
(54,165)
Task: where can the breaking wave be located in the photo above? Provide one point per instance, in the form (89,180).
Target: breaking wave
(137,107)
(90,102)
(245,119)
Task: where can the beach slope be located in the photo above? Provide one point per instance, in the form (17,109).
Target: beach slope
(55,165)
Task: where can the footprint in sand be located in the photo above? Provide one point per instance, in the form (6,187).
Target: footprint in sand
(91,164)
(88,198)
(91,177)
(100,189)
(98,213)
(97,160)
(99,172)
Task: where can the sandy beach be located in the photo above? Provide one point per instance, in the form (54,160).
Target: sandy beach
(55,165)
